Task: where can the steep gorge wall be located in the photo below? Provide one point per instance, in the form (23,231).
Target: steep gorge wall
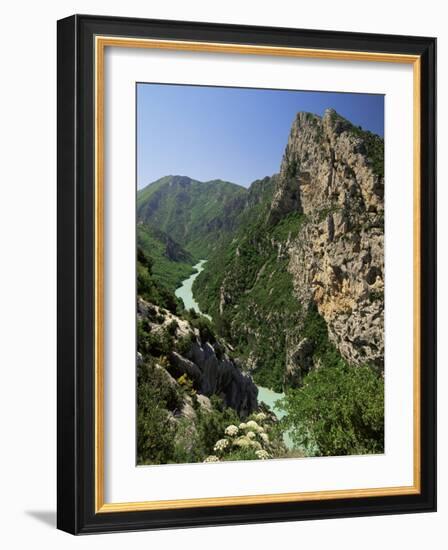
(332,172)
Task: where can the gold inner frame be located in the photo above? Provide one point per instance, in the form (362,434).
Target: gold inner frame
(101,42)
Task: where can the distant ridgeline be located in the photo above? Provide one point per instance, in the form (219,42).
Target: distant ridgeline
(194,214)
(295,274)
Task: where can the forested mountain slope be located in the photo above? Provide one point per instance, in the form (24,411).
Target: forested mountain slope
(193,213)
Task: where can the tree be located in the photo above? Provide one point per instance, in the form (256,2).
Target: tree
(339,410)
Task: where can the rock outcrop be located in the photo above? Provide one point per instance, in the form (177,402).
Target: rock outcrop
(332,173)
(206,364)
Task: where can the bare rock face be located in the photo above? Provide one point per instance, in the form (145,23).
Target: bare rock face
(221,376)
(332,173)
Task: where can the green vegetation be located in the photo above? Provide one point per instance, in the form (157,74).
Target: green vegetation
(156,344)
(315,329)
(374,148)
(194,214)
(162,439)
(247,288)
(292,169)
(154,430)
(260,309)
(164,435)
(339,409)
(149,288)
(195,446)
(170,263)
(255,438)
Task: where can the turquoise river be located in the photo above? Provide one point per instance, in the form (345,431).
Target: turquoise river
(185,291)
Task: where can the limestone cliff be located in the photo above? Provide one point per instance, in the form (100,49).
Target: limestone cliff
(332,172)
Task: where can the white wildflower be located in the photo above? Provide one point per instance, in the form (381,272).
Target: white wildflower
(211,458)
(262,454)
(250,435)
(264,437)
(221,445)
(231,430)
(242,426)
(260,416)
(252,425)
(242,441)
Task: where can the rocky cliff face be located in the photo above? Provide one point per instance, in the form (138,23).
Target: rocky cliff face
(332,172)
(205,363)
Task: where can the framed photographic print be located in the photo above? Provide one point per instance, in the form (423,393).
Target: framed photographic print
(246,274)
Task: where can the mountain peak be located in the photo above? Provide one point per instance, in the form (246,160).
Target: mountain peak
(190,211)
(330,112)
(183,181)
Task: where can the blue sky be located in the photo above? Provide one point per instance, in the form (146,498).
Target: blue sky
(234,134)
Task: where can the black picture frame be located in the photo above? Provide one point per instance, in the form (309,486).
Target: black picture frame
(76,256)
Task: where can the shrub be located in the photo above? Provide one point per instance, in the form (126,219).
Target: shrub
(194,443)
(192,314)
(374,149)
(210,427)
(205,329)
(172,327)
(151,290)
(339,409)
(154,430)
(155,344)
(183,344)
(315,328)
(292,169)
(186,385)
(254,439)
